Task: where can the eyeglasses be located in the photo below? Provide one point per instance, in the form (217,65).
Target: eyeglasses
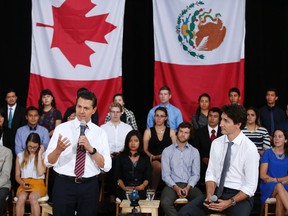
(71,117)
(159,116)
(32,147)
(115,112)
(279,136)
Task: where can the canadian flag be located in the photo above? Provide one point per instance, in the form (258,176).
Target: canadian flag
(76,44)
(199,48)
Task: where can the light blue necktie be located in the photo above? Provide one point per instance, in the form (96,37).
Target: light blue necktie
(10,118)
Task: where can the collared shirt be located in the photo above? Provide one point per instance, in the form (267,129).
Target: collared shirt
(278,116)
(174,116)
(130,118)
(116,135)
(260,137)
(244,166)
(210,130)
(6,160)
(65,164)
(22,134)
(12,111)
(180,165)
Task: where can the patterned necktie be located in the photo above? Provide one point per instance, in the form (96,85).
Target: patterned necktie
(80,159)
(213,135)
(80,162)
(225,169)
(10,118)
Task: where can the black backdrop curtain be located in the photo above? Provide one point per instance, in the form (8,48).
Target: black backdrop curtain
(266,53)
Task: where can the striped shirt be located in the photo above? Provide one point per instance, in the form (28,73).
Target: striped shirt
(260,137)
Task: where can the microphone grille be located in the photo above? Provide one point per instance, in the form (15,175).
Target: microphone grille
(83,123)
(213,198)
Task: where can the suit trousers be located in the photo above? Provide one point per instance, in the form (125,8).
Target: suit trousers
(196,207)
(70,196)
(168,196)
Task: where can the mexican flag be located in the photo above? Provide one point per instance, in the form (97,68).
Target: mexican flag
(199,48)
(76,44)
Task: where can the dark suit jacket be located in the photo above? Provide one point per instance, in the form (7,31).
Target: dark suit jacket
(18,118)
(203,143)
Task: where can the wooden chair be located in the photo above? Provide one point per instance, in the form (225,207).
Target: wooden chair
(180,201)
(41,200)
(268,203)
(117,204)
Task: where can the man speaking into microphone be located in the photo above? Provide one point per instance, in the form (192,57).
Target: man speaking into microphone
(78,151)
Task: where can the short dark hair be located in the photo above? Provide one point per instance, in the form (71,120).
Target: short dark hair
(216,109)
(81,89)
(88,95)
(236,112)
(234,89)
(272,89)
(118,94)
(185,124)
(31,108)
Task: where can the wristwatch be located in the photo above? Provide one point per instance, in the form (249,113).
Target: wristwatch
(233,202)
(93,152)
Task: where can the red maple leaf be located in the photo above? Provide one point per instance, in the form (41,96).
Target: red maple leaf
(72,29)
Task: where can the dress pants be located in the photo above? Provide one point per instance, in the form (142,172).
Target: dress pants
(196,207)
(70,196)
(168,196)
(4,192)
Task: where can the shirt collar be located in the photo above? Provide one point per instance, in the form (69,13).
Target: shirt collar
(13,107)
(237,139)
(210,128)
(76,122)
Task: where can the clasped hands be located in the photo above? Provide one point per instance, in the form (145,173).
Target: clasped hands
(219,206)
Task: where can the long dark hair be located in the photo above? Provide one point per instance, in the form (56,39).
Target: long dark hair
(127,140)
(198,111)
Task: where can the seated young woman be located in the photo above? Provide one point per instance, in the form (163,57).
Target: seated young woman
(30,174)
(132,167)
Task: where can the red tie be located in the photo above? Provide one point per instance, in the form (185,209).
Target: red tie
(213,135)
(80,162)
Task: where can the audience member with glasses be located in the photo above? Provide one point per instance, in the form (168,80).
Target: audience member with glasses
(116,131)
(155,140)
(30,174)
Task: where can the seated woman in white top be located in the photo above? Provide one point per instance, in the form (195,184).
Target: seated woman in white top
(30,173)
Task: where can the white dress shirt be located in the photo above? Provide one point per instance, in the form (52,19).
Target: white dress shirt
(116,135)
(29,171)
(244,166)
(66,162)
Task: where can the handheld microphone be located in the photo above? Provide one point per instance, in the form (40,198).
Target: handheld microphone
(214,198)
(82,132)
